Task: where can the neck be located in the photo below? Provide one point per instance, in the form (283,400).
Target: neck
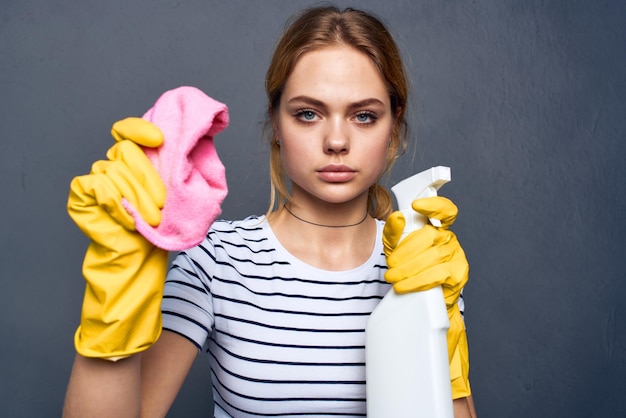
(348,225)
(323,244)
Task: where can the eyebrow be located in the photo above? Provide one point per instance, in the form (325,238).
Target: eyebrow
(317,103)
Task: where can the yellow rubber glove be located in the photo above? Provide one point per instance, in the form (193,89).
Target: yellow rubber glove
(125,274)
(430,257)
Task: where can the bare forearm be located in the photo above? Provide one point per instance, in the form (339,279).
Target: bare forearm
(464,408)
(101,388)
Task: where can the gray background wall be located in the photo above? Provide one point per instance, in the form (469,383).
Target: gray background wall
(523,99)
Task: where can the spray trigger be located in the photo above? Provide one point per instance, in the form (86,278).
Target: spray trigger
(423,184)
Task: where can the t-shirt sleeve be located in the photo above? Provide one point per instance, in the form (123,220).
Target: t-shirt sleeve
(187,303)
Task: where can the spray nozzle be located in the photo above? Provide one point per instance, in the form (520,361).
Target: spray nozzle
(423,184)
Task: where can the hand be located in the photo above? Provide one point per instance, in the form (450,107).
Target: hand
(430,257)
(125,273)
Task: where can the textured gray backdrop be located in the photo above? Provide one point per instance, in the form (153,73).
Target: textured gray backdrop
(525,100)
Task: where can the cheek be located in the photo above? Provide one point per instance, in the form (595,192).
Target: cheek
(293,157)
(382,154)
(379,149)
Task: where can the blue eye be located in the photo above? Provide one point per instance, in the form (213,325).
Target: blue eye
(305,115)
(365,117)
(308,115)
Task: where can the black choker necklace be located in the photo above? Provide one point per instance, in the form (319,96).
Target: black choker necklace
(325,226)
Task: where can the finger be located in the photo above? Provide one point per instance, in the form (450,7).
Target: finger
(94,199)
(459,272)
(141,168)
(392,232)
(416,266)
(430,277)
(129,187)
(436,267)
(437,207)
(139,131)
(414,244)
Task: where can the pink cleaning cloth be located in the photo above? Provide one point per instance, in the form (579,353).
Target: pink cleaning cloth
(189,166)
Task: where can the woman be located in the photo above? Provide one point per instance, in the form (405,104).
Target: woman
(280,301)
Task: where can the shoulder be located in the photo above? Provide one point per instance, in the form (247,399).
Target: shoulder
(226,243)
(239,239)
(250,228)
(251,223)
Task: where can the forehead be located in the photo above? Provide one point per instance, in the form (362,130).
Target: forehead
(336,73)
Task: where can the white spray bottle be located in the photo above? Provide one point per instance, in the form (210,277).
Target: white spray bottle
(407,370)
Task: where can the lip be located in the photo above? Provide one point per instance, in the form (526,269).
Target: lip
(336,173)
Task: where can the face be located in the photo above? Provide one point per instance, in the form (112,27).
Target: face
(335,123)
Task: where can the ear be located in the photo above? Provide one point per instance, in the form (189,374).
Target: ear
(273,116)
(397,123)
(398,113)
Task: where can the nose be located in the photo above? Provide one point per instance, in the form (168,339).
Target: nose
(337,139)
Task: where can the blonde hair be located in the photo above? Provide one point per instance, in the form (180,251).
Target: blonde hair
(320,27)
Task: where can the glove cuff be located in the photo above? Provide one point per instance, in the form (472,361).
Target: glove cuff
(114,343)
(121,313)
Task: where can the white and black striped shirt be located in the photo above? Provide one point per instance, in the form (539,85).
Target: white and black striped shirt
(285,339)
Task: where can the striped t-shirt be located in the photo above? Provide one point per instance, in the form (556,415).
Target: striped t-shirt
(284,339)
